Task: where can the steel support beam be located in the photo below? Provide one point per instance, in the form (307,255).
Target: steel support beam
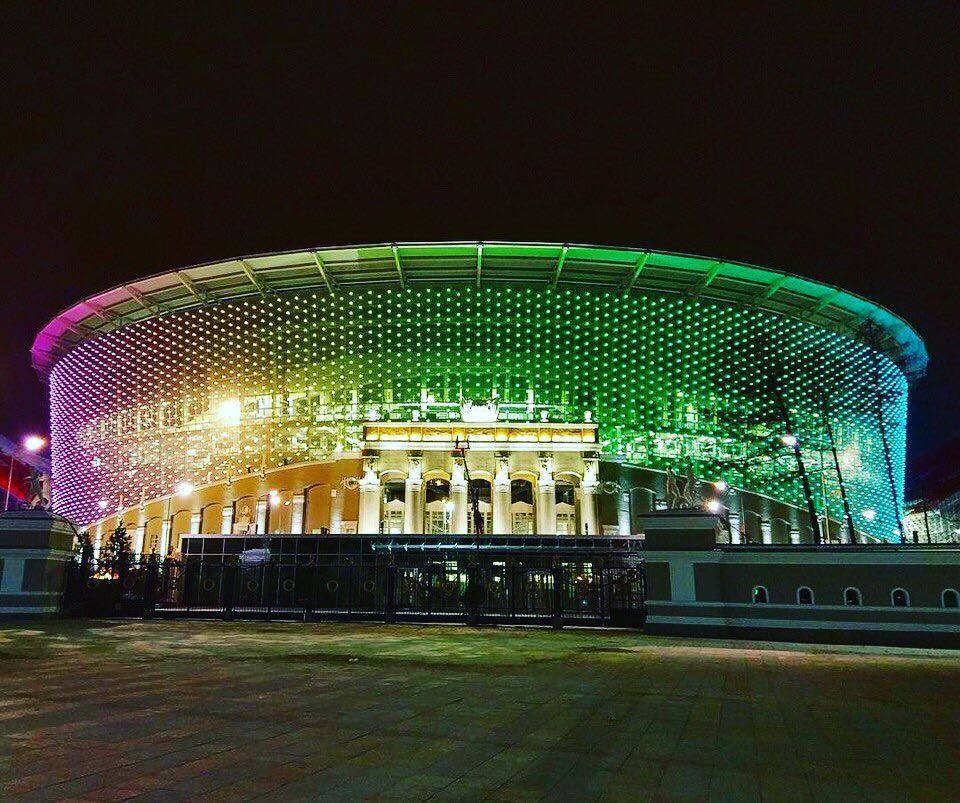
(81,331)
(254,279)
(560,261)
(396,261)
(637,270)
(142,300)
(104,315)
(712,272)
(772,288)
(323,271)
(824,302)
(191,285)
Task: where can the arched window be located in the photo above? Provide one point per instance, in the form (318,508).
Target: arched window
(899,598)
(480,492)
(852,597)
(521,507)
(804,595)
(394,494)
(438,507)
(566,509)
(950,598)
(759,595)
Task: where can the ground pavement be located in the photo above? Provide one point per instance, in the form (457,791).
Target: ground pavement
(228,711)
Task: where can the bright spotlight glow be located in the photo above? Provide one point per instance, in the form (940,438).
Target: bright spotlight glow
(34,443)
(721,485)
(229,412)
(714,506)
(274,497)
(102,504)
(789,440)
(448,507)
(184,488)
(869,513)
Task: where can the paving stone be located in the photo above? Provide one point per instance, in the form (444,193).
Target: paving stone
(222,712)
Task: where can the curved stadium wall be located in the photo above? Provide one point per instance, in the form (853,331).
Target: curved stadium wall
(227,386)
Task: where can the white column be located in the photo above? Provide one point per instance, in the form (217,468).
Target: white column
(794,535)
(458,497)
(369,519)
(413,497)
(261,516)
(138,534)
(336,510)
(734,528)
(623,514)
(501,499)
(195,523)
(226,520)
(588,498)
(296,514)
(766,531)
(164,536)
(546,499)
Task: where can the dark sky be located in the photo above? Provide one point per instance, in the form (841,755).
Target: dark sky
(814,140)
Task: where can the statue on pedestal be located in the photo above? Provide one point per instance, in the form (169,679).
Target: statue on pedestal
(39,492)
(683,494)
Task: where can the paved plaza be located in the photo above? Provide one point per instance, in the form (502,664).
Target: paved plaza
(230,711)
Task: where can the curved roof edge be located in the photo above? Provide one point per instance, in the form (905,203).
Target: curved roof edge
(541,264)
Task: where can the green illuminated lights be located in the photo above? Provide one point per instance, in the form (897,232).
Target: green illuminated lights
(207,392)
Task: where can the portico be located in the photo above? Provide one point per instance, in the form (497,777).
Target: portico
(529,478)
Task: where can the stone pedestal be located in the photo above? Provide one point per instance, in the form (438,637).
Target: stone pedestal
(35,546)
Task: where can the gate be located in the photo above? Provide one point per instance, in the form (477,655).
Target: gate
(500,581)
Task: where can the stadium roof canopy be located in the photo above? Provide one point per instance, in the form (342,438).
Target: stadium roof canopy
(624,270)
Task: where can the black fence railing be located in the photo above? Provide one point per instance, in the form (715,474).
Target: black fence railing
(302,578)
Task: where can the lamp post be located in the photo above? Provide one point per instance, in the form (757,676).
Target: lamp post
(32,444)
(473,495)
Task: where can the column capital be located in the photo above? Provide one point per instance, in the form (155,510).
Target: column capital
(370,479)
(591,475)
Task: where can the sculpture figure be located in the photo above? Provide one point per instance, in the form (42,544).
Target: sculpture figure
(691,491)
(39,492)
(674,496)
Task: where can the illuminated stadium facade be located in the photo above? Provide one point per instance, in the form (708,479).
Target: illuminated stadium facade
(329,390)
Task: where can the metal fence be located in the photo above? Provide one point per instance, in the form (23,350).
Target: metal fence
(503,583)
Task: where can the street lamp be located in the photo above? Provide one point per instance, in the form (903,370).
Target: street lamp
(30,443)
(34,443)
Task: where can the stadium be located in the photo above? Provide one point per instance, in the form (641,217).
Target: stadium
(409,388)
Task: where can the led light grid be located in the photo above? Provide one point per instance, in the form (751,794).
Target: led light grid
(204,394)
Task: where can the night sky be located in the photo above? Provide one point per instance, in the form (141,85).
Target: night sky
(817,141)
